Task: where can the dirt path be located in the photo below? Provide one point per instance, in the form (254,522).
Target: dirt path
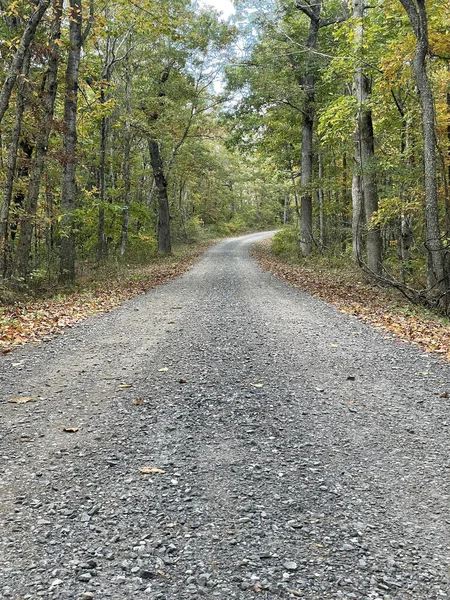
(304,455)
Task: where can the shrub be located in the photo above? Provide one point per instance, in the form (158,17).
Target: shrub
(286,242)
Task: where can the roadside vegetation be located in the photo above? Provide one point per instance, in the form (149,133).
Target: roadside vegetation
(339,282)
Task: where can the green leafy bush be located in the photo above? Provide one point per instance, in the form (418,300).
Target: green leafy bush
(286,242)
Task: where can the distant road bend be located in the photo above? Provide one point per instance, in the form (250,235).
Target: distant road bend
(288,450)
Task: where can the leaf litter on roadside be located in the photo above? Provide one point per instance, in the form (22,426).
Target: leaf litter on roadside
(375,306)
(35,320)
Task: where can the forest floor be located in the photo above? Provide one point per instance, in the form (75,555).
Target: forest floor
(229,436)
(352,293)
(99,291)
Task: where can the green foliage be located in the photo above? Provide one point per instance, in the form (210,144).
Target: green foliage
(286,242)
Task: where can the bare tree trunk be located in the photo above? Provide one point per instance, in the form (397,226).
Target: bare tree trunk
(436,275)
(126,162)
(365,149)
(69,185)
(18,60)
(11,166)
(307,81)
(320,196)
(31,200)
(102,246)
(101,237)
(164,243)
(357,202)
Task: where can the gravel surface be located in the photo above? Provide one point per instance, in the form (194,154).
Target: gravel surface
(302,453)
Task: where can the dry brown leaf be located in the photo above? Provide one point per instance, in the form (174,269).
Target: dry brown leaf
(444,395)
(22,400)
(139,401)
(151,470)
(70,429)
(182,381)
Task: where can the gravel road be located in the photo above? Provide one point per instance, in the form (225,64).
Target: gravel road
(304,454)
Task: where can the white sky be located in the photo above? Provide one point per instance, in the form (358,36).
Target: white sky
(224,6)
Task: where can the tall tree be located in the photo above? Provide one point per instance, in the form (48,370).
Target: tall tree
(69,184)
(51,86)
(21,52)
(364,187)
(436,273)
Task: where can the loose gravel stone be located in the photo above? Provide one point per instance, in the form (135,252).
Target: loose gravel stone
(267,485)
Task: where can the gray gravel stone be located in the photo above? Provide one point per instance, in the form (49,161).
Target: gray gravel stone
(265,477)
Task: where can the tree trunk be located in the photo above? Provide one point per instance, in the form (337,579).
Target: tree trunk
(312,10)
(320,197)
(19,57)
(436,275)
(365,149)
(126,162)
(164,244)
(357,202)
(69,186)
(102,248)
(11,166)
(306,212)
(31,200)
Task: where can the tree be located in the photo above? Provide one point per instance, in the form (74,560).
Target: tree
(436,273)
(69,184)
(364,186)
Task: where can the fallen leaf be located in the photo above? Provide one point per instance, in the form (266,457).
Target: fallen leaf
(163,370)
(70,429)
(296,593)
(334,345)
(22,400)
(257,385)
(124,386)
(444,395)
(149,470)
(139,401)
(182,381)
(170,322)
(163,574)
(257,588)
(6,350)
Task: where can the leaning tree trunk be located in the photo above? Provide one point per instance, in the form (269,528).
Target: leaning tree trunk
(365,150)
(436,272)
(69,186)
(164,244)
(21,52)
(31,200)
(11,166)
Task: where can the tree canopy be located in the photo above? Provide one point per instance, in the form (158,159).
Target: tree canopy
(129,126)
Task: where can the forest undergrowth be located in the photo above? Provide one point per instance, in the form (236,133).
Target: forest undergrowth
(35,319)
(351,293)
